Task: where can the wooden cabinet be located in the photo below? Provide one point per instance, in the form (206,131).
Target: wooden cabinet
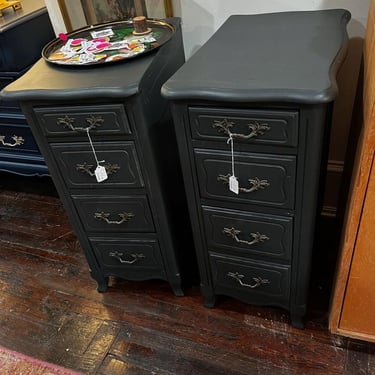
(255,103)
(358,310)
(133,225)
(23,33)
(353,300)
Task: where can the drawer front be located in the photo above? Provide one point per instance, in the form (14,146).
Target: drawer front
(118,214)
(249,233)
(70,121)
(130,258)
(267,180)
(77,164)
(250,279)
(17,139)
(271,127)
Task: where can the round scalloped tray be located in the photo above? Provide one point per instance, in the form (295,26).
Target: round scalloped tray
(106,43)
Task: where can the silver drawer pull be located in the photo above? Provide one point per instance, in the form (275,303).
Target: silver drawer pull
(105,216)
(90,168)
(18,141)
(257,237)
(256,183)
(119,256)
(256,129)
(258,281)
(68,122)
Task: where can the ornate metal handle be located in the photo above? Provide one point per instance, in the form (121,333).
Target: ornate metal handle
(258,280)
(257,237)
(125,217)
(256,129)
(119,257)
(256,183)
(88,168)
(67,122)
(18,141)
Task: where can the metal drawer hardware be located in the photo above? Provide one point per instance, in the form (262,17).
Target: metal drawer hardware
(257,237)
(125,217)
(258,280)
(119,256)
(18,141)
(67,122)
(256,129)
(89,168)
(256,183)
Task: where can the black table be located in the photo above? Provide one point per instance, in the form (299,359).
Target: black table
(263,85)
(134,224)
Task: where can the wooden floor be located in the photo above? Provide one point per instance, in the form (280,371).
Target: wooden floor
(50,309)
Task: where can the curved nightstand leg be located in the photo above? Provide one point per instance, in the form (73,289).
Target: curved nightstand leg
(102,284)
(177,290)
(297,321)
(210,302)
(209,297)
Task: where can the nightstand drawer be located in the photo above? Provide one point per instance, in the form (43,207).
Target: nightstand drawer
(17,138)
(77,164)
(267,180)
(70,121)
(271,127)
(138,258)
(248,233)
(117,214)
(239,277)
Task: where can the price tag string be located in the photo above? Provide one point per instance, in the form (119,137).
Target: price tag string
(100,171)
(233,182)
(230,140)
(93,149)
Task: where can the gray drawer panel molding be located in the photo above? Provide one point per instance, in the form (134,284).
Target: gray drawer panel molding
(248,233)
(271,127)
(77,164)
(70,121)
(267,180)
(114,214)
(242,276)
(138,259)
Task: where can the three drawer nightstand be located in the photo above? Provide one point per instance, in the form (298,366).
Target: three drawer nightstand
(134,224)
(252,113)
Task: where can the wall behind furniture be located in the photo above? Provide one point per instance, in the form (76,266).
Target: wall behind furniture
(201,18)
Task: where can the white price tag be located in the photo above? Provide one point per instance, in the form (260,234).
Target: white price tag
(233,184)
(100,173)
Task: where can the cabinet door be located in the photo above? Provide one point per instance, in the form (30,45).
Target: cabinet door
(358,313)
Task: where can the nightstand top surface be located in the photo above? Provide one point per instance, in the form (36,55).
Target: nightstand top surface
(46,81)
(287,57)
